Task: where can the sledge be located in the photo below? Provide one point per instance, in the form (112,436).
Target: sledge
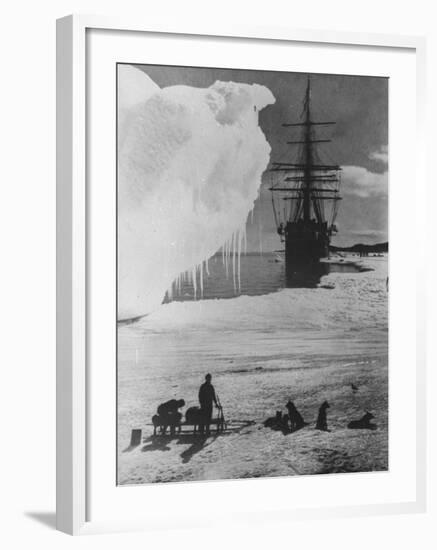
(193,422)
(218,426)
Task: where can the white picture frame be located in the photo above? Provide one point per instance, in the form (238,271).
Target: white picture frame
(72,259)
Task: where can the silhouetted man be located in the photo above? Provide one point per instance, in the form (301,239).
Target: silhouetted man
(206,399)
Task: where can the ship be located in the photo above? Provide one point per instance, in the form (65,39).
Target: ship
(305,195)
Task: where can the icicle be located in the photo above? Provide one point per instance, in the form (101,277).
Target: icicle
(201,279)
(194,280)
(260,239)
(240,237)
(234,247)
(227,252)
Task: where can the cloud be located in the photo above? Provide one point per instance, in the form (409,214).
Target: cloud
(381,155)
(361,182)
(368,232)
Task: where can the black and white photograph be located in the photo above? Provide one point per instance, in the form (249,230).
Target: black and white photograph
(252,274)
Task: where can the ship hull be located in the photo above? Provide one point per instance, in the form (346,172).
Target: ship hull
(305,244)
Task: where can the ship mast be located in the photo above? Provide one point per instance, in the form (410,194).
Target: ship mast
(307,171)
(308,156)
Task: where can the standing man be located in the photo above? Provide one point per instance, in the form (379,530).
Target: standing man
(206,398)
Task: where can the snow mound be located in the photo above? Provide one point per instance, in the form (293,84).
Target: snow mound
(190,162)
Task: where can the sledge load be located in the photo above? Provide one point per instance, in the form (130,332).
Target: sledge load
(169,420)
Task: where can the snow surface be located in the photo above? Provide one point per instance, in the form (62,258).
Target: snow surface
(306,345)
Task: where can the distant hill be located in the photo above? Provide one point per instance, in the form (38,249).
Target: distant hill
(378,248)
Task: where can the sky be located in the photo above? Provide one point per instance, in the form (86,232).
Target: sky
(358,104)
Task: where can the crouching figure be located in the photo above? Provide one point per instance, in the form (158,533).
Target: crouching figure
(274,422)
(168,416)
